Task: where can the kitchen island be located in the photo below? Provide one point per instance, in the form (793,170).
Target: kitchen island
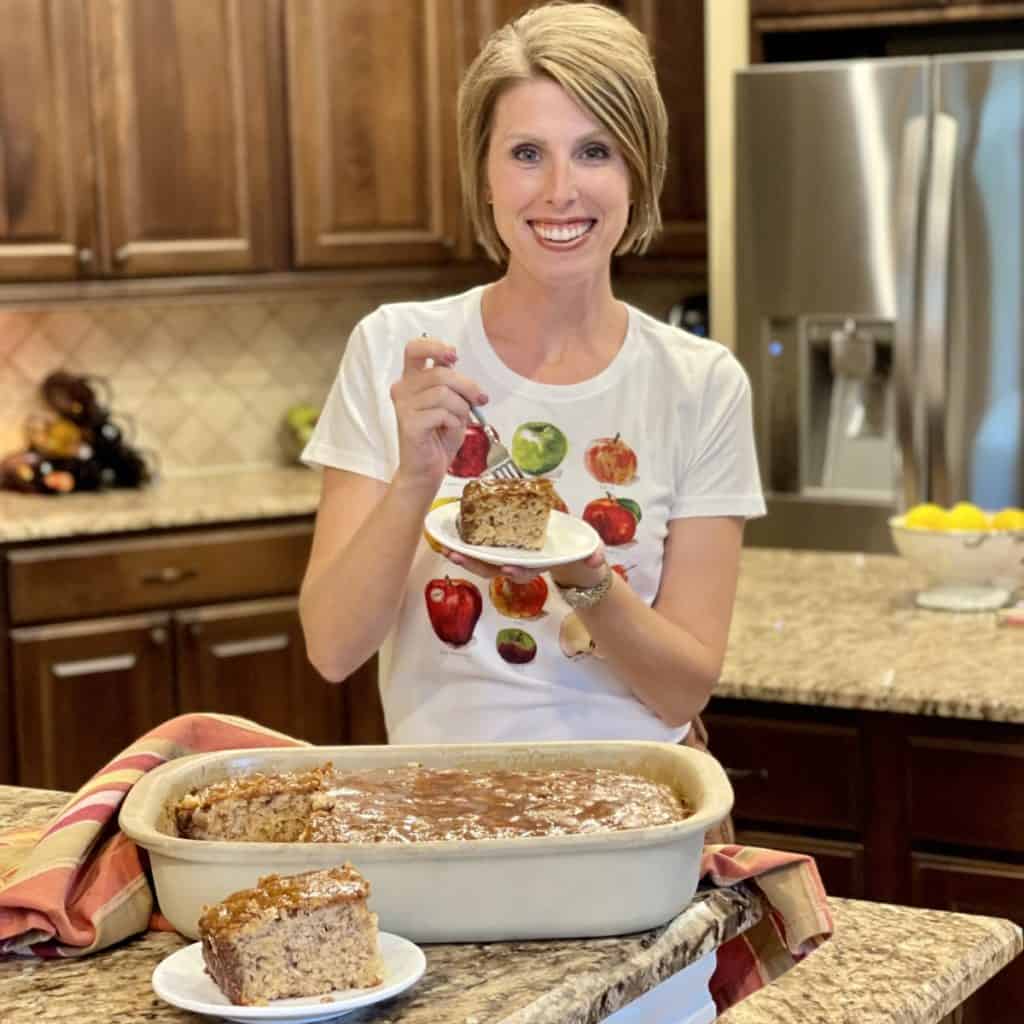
(883,964)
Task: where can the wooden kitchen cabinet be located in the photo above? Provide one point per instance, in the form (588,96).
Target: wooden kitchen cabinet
(905,809)
(84,691)
(249,659)
(181,94)
(374,161)
(109,637)
(47,199)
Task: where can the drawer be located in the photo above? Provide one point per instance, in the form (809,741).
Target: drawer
(790,772)
(969,792)
(69,581)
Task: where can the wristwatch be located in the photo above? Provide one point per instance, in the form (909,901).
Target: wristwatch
(587,597)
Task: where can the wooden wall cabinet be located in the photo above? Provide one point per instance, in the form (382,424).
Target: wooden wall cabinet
(898,808)
(182,107)
(759,8)
(371,98)
(145,628)
(139,138)
(47,196)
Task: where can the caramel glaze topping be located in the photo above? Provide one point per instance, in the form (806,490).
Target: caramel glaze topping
(415,804)
(278,895)
(256,785)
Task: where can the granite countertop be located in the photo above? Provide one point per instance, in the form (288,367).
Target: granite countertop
(171,502)
(842,630)
(884,964)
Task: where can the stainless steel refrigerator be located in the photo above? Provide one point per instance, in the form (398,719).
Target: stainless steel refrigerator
(880,288)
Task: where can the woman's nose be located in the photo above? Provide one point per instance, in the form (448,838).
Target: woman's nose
(561,183)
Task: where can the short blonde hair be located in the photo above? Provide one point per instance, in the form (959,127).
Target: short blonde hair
(603,62)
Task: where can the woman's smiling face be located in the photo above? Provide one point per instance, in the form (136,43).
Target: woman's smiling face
(559,186)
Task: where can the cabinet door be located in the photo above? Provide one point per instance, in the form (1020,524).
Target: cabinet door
(978,887)
(374,163)
(249,659)
(676,35)
(84,692)
(183,124)
(46,180)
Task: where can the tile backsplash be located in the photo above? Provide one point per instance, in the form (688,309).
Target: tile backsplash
(204,384)
(204,381)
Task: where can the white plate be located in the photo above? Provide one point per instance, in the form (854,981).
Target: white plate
(182,981)
(568,540)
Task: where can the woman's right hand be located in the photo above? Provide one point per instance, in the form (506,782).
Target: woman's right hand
(432,404)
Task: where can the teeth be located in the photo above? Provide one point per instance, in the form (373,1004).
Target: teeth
(566,233)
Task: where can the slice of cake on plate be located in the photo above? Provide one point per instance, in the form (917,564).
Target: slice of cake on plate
(506,513)
(293,935)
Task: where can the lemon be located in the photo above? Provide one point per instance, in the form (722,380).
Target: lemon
(965,516)
(925,517)
(1008,519)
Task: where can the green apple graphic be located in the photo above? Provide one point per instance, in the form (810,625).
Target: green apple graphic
(538,447)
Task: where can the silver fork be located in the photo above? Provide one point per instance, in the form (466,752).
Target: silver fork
(499,462)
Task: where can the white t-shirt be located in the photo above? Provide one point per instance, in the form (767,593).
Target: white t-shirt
(680,403)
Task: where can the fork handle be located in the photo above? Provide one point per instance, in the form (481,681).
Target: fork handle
(491,433)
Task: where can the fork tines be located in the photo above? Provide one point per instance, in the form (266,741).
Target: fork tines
(504,470)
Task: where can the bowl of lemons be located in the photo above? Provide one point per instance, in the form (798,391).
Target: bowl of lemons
(974,559)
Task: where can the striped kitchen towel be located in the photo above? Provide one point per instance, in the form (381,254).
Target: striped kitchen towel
(796,917)
(79,884)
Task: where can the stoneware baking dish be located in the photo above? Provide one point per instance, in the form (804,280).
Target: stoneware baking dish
(477,890)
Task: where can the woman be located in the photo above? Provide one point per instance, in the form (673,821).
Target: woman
(562,145)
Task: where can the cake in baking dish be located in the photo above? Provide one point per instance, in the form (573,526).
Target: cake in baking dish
(506,513)
(293,935)
(411,804)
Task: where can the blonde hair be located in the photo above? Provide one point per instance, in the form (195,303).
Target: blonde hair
(603,62)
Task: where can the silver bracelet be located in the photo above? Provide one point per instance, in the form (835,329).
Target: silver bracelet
(587,597)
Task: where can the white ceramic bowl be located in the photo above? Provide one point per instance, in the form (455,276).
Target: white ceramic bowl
(963,557)
(480,890)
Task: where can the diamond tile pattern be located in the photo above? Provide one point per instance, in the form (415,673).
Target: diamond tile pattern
(204,383)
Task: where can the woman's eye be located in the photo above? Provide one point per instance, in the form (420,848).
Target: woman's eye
(596,151)
(527,154)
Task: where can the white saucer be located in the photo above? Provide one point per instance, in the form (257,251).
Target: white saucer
(182,981)
(963,598)
(568,540)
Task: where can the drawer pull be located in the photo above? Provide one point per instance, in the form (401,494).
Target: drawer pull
(738,774)
(258,645)
(169,574)
(93,666)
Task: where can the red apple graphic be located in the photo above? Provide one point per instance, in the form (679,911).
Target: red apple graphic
(516,646)
(610,460)
(471,458)
(519,600)
(454,607)
(615,522)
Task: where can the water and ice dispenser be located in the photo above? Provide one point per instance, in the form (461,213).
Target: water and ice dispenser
(829,407)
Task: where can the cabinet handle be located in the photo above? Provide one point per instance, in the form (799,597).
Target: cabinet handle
(738,774)
(158,635)
(169,574)
(93,666)
(257,645)
(85,257)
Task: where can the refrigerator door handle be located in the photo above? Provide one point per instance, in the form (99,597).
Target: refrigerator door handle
(935,300)
(910,482)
